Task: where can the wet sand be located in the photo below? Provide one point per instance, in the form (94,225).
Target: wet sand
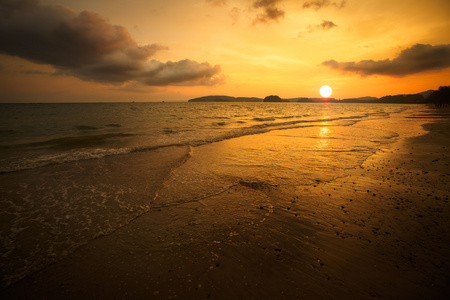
(382,230)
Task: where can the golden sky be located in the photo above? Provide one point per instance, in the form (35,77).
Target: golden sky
(145,50)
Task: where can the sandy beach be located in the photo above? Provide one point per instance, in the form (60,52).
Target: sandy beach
(379,230)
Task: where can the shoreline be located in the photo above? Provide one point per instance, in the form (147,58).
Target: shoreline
(379,231)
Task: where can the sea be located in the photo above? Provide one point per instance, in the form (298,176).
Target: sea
(73,172)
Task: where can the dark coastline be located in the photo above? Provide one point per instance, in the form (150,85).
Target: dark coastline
(426,97)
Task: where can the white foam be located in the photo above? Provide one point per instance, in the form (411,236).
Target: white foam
(59,158)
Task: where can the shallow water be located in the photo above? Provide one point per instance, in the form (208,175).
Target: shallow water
(73,172)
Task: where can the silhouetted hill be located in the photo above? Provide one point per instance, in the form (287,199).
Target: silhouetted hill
(409,99)
(360,100)
(426,94)
(273,98)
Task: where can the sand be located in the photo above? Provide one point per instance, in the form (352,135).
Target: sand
(379,231)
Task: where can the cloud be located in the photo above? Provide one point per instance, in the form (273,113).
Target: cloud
(183,72)
(270,11)
(318,4)
(325,25)
(86,46)
(266,10)
(235,14)
(416,59)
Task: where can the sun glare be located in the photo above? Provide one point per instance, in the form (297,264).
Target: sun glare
(325,91)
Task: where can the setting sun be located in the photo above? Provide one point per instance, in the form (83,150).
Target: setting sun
(325,91)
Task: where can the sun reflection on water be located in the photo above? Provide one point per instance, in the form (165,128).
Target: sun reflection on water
(324,132)
(323,141)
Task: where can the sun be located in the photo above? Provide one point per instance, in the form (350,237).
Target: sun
(325,91)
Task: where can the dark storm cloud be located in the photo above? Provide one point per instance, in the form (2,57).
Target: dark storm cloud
(86,46)
(318,4)
(418,58)
(270,11)
(325,25)
(9,6)
(35,72)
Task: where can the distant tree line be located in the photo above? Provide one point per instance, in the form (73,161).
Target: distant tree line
(440,97)
(412,98)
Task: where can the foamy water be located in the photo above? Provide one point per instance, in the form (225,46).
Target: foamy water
(73,172)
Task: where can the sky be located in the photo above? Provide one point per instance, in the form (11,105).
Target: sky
(175,50)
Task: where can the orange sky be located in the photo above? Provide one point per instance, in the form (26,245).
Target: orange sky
(131,50)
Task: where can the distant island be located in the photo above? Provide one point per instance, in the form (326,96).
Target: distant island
(439,97)
(225,99)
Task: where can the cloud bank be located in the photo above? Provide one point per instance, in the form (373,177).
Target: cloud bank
(318,4)
(270,11)
(416,59)
(86,46)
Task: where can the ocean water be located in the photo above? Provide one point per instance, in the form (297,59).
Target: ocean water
(36,135)
(73,172)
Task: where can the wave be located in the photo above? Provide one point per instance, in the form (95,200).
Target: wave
(88,128)
(60,158)
(264,119)
(71,141)
(85,127)
(169,131)
(76,155)
(220,124)
(324,119)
